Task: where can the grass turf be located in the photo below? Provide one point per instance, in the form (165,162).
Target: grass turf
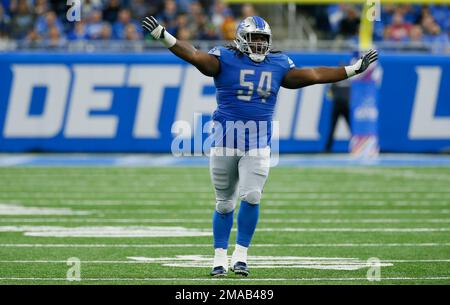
(399,215)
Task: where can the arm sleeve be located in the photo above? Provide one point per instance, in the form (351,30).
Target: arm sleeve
(215,51)
(291,64)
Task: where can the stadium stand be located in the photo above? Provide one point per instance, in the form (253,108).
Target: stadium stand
(43,23)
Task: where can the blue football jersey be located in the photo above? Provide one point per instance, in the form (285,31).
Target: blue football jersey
(247,90)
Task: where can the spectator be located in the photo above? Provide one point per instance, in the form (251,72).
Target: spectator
(183,5)
(434,35)
(211,20)
(89,6)
(219,13)
(140,9)
(399,29)
(416,39)
(335,15)
(12,6)
(111,11)
(169,15)
(4,22)
(5,4)
(41,7)
(378,31)
(247,11)
(79,32)
(229,28)
(182,23)
(349,25)
(131,33)
(209,32)
(441,15)
(423,12)
(123,21)
(45,22)
(431,28)
(184,34)
(94,24)
(60,7)
(194,18)
(200,24)
(106,32)
(195,9)
(322,21)
(33,40)
(416,34)
(22,19)
(408,13)
(55,39)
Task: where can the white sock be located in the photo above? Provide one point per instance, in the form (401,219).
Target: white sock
(220,258)
(239,254)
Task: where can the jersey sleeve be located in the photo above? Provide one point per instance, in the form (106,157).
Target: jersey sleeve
(291,64)
(216,51)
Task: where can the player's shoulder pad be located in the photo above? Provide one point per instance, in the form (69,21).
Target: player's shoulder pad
(216,51)
(283,59)
(290,62)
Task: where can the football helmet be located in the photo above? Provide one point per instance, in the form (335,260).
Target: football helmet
(245,38)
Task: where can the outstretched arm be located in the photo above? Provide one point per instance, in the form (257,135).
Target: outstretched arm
(299,78)
(207,64)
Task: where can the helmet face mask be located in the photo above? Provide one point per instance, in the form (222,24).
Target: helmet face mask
(254,38)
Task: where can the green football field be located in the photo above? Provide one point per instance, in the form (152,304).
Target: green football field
(153,226)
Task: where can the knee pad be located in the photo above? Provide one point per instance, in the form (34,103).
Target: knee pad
(224,206)
(252,197)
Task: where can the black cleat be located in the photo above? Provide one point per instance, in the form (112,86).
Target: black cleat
(240,268)
(218,272)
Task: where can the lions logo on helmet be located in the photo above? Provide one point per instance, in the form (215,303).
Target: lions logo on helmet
(247,34)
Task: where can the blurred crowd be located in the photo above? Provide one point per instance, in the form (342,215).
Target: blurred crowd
(45,22)
(414,24)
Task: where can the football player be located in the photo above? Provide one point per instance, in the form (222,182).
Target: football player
(247,77)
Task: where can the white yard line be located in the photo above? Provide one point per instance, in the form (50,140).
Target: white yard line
(157,261)
(176,231)
(107,231)
(300,188)
(18,209)
(360,230)
(318,189)
(283,211)
(14,160)
(436,278)
(201,201)
(267,203)
(331,245)
(208,220)
(398,173)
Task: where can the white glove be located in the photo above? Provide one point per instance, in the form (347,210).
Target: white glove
(158,32)
(362,64)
